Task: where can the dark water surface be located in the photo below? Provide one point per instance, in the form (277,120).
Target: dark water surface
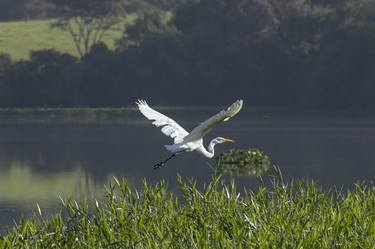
(39,163)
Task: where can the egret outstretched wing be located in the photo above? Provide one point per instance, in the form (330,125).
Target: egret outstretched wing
(169,126)
(202,129)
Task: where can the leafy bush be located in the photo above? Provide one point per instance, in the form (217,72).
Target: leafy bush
(243,162)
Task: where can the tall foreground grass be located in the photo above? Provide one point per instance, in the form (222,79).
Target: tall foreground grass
(294,215)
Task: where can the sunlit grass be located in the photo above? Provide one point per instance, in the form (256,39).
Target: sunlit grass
(294,215)
(19,38)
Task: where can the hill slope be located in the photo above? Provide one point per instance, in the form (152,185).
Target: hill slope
(19,38)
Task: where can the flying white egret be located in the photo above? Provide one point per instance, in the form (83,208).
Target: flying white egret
(183,140)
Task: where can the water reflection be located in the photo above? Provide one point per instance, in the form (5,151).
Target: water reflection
(21,184)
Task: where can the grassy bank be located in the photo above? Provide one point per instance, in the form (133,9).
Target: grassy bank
(19,38)
(294,215)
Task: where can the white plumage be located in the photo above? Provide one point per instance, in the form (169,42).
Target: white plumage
(170,127)
(183,140)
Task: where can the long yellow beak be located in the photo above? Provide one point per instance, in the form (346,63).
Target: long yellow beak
(229,140)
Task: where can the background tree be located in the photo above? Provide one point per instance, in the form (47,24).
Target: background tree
(87,21)
(148,22)
(39,9)
(25,9)
(12,9)
(360,14)
(5,62)
(317,53)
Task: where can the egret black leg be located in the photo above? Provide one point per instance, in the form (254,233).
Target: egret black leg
(161,164)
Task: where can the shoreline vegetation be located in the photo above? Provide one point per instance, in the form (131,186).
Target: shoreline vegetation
(66,116)
(125,115)
(296,214)
(79,115)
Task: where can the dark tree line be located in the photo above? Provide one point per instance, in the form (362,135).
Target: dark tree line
(11,10)
(270,52)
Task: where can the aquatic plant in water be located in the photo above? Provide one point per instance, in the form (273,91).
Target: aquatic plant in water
(243,162)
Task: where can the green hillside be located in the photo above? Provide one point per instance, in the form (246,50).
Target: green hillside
(20,37)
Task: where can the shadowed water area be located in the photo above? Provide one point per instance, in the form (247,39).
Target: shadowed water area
(44,158)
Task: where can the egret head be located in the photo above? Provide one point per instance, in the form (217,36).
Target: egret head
(217,140)
(221,140)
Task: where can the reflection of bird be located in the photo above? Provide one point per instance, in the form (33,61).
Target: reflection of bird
(184,141)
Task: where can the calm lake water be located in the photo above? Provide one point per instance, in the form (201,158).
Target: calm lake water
(39,163)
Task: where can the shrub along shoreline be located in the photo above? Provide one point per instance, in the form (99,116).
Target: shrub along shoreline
(294,215)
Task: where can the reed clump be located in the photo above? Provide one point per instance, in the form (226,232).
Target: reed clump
(277,215)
